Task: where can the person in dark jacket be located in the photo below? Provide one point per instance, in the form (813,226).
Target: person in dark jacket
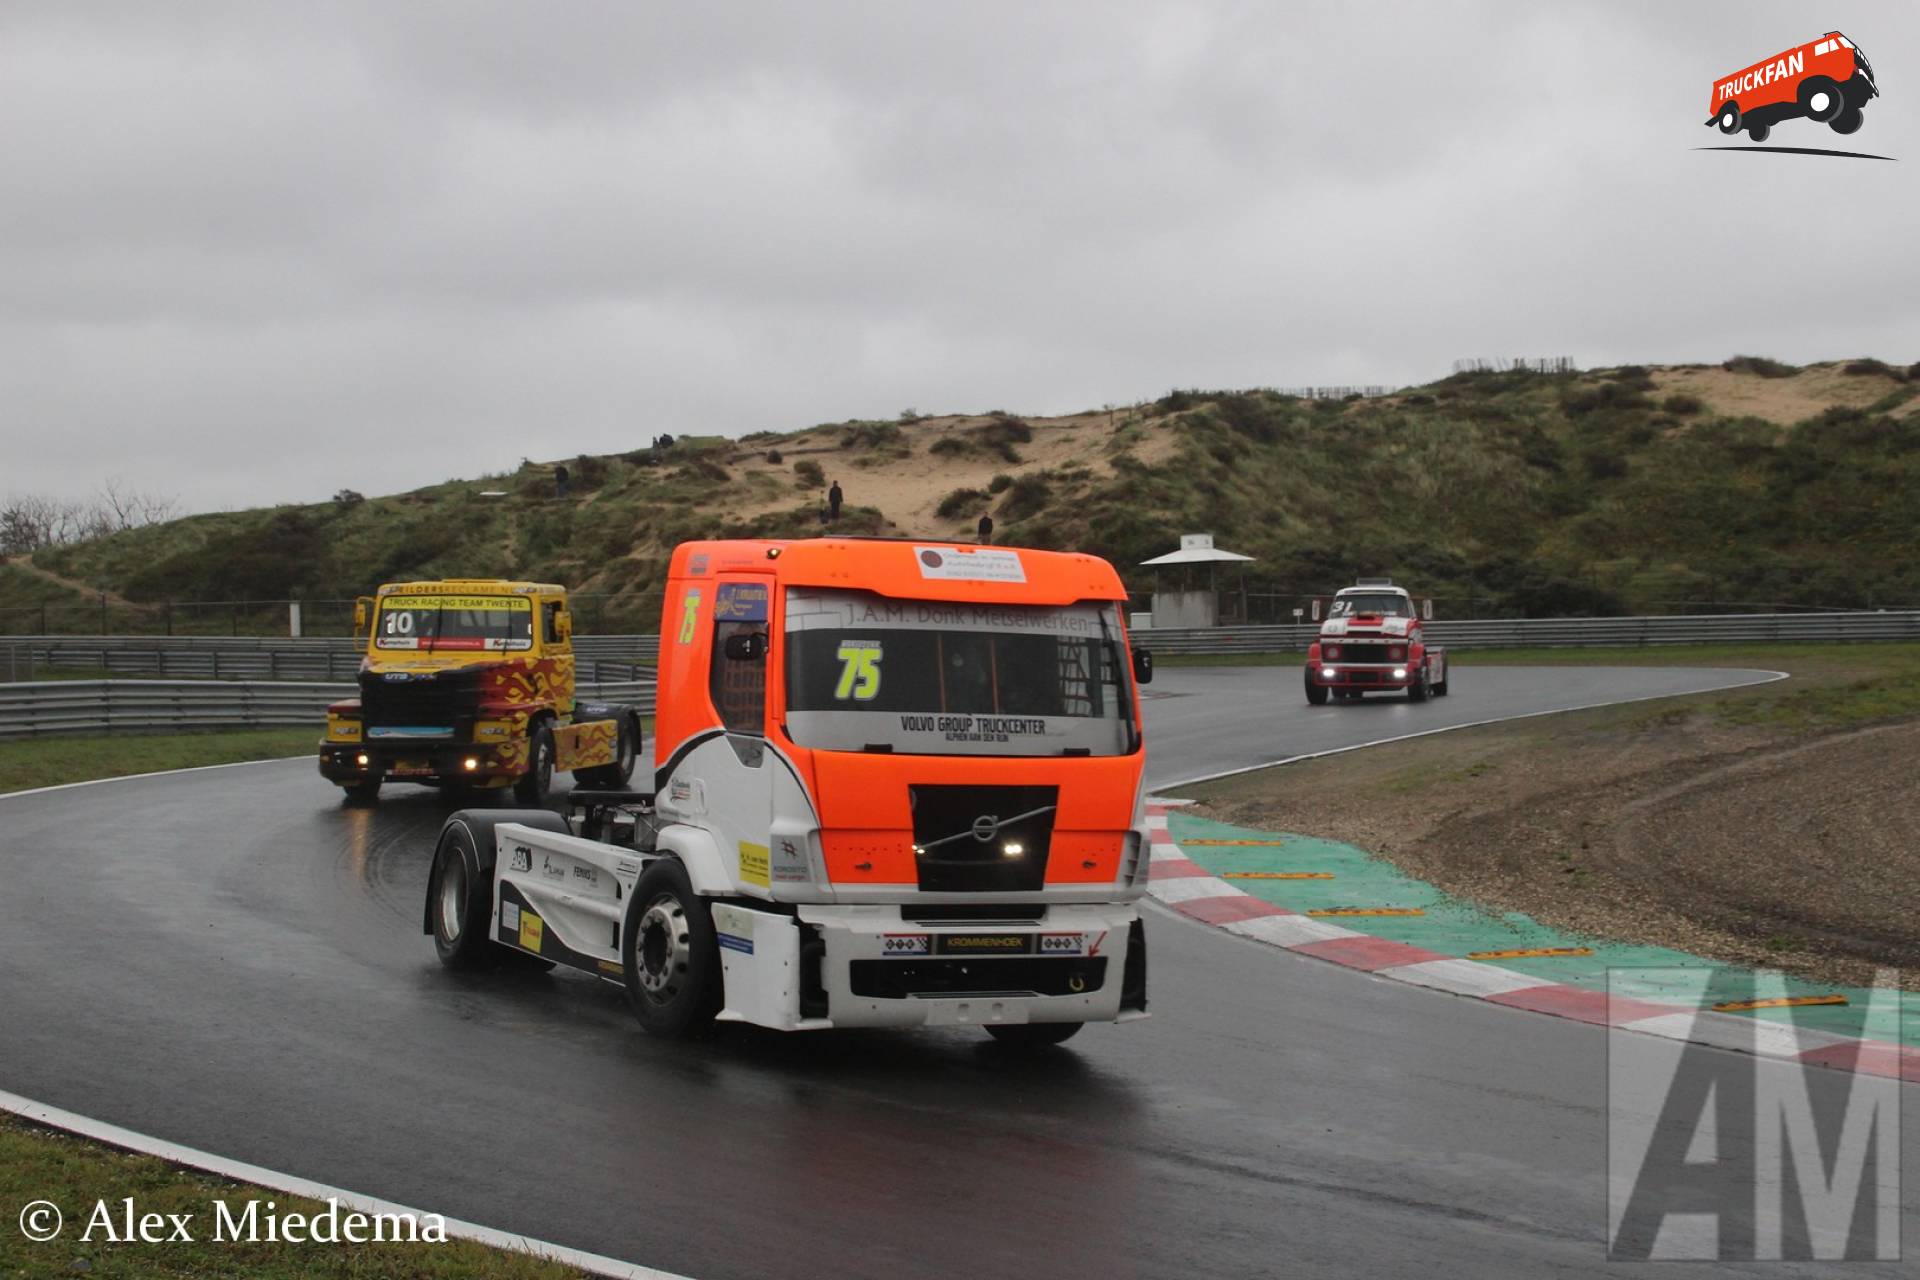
(986,529)
(834,498)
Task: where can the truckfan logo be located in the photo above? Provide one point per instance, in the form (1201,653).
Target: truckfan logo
(1827,81)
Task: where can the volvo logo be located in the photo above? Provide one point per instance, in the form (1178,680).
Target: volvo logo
(985,827)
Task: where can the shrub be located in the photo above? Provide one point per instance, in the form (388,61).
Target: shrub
(1682,405)
(949,446)
(959,503)
(773,456)
(999,483)
(1871,366)
(1760,366)
(808,475)
(1026,496)
(872,435)
(349,498)
(1605,466)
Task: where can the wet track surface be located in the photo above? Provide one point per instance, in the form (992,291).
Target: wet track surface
(232,960)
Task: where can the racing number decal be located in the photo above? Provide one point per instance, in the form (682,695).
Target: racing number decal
(859,671)
(689,615)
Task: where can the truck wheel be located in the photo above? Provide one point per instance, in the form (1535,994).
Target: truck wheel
(1417,691)
(1440,685)
(1758,132)
(1820,98)
(1316,693)
(615,776)
(532,786)
(1848,121)
(1033,1035)
(1730,118)
(362,792)
(460,902)
(668,953)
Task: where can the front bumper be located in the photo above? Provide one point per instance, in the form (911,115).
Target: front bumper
(417,761)
(874,966)
(1357,677)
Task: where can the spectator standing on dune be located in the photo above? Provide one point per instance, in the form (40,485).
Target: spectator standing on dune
(986,529)
(834,499)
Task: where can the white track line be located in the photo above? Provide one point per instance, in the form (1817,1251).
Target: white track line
(273,1179)
(1768,677)
(127,1139)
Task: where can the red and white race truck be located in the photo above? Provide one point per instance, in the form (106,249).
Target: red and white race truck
(1372,641)
(1828,80)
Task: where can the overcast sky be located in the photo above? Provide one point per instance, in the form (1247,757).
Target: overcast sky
(256,252)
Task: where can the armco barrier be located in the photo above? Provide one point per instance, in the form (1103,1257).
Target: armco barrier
(251,658)
(92,706)
(1535,633)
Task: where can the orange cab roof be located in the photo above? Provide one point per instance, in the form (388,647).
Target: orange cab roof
(910,568)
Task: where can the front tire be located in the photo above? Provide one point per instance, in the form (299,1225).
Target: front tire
(1316,693)
(1729,120)
(1033,1035)
(532,786)
(460,902)
(1821,99)
(1417,691)
(668,954)
(362,792)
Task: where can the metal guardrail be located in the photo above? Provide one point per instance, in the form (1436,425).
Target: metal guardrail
(596,658)
(91,706)
(1534,633)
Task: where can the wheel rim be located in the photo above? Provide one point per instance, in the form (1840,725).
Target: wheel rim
(624,756)
(543,764)
(453,899)
(663,949)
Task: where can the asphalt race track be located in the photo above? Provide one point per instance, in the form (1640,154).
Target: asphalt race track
(232,960)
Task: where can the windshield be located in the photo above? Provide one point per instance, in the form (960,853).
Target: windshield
(941,678)
(1391,605)
(454,622)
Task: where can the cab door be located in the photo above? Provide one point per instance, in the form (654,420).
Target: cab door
(733,771)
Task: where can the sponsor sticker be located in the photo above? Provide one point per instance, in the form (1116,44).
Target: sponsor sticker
(970,565)
(510,917)
(905,944)
(522,859)
(983,944)
(753,863)
(532,929)
(1062,944)
(740,602)
(551,869)
(734,942)
(789,862)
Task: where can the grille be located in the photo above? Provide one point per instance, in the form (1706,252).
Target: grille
(450,699)
(1367,653)
(970,865)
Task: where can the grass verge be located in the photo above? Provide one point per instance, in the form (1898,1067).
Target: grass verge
(26,763)
(75,1175)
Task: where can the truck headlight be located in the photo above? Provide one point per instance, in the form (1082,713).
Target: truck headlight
(1327,673)
(1399,673)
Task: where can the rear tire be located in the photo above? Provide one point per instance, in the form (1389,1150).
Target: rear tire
(615,776)
(1034,1035)
(532,787)
(1446,678)
(1316,693)
(668,954)
(1758,132)
(1848,121)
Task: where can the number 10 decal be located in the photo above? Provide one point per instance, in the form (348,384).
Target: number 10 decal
(859,671)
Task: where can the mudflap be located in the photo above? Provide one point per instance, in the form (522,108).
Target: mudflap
(760,965)
(585,745)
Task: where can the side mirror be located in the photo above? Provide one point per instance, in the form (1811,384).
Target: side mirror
(1143,666)
(362,610)
(748,646)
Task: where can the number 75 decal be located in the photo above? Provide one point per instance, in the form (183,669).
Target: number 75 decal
(859,671)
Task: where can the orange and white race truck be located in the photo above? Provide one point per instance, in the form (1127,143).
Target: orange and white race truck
(1372,640)
(896,783)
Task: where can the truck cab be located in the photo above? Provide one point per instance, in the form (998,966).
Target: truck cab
(1373,640)
(469,683)
(895,784)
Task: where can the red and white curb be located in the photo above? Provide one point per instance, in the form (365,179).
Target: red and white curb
(1185,886)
